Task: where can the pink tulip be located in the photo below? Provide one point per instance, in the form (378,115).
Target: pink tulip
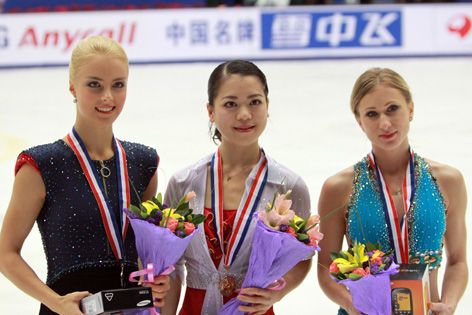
(282,205)
(189,228)
(273,219)
(190,195)
(314,219)
(315,235)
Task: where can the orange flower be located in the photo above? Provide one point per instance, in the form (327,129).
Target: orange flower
(189,228)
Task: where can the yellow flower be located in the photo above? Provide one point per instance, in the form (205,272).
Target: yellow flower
(359,255)
(297,219)
(345,265)
(377,253)
(173,215)
(149,206)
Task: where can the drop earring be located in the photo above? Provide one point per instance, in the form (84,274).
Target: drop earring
(74,101)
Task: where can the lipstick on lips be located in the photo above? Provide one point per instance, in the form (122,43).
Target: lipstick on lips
(388,136)
(105,109)
(244,128)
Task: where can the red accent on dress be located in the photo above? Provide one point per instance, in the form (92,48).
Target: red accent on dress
(23,159)
(193,300)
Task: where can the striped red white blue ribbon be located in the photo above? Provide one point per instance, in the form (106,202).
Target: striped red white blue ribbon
(248,205)
(397,227)
(115,235)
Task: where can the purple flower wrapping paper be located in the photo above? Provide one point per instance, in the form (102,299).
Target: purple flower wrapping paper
(372,294)
(158,246)
(273,254)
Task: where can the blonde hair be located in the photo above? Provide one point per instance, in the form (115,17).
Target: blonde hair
(377,76)
(93,46)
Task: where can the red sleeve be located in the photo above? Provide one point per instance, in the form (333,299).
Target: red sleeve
(23,159)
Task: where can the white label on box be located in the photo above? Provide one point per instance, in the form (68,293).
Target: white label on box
(143,303)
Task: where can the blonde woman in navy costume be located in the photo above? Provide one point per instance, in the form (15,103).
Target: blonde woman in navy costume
(231,184)
(410,204)
(75,189)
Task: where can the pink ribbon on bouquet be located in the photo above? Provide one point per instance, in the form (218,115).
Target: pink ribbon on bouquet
(277,285)
(148,274)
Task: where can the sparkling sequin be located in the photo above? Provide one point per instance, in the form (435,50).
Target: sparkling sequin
(426,217)
(69,222)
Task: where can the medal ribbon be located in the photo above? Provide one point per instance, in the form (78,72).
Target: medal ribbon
(397,229)
(110,222)
(247,207)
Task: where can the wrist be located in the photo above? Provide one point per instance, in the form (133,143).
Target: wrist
(450,302)
(350,309)
(450,307)
(54,301)
(348,305)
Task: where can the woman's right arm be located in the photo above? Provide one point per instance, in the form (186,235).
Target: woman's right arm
(332,208)
(26,202)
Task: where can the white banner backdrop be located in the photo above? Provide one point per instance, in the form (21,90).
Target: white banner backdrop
(186,35)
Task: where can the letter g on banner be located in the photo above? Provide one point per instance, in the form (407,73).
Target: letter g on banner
(3,36)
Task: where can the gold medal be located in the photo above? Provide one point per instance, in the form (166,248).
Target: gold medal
(227,285)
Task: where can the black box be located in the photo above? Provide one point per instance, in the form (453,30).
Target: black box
(109,302)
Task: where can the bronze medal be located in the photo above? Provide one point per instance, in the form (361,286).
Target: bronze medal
(227,285)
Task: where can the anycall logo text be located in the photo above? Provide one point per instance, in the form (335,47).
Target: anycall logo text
(65,39)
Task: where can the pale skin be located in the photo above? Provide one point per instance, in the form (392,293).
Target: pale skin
(384,115)
(240,111)
(100,90)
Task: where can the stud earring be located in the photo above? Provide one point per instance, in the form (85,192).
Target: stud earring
(74,101)
(411,118)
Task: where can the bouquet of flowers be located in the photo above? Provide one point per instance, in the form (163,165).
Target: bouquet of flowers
(281,240)
(365,270)
(162,234)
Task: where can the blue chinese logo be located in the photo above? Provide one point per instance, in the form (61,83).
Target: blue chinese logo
(331,30)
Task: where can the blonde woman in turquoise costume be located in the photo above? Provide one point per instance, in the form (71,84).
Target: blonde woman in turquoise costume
(410,204)
(75,189)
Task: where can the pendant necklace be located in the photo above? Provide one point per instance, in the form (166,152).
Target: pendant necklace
(105,172)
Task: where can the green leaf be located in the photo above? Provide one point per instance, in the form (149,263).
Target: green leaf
(301,224)
(182,206)
(339,276)
(153,213)
(198,218)
(370,247)
(335,255)
(135,209)
(182,212)
(157,202)
(302,237)
(354,276)
(182,209)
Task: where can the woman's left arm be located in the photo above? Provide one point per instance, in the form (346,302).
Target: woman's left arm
(456,274)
